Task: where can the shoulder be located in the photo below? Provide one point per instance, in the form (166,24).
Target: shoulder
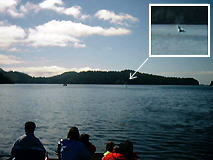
(71,143)
(21,138)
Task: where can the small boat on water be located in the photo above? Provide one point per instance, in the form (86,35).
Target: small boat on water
(64,84)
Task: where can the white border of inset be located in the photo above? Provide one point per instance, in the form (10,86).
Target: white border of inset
(150,49)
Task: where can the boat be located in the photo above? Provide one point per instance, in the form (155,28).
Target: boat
(96,156)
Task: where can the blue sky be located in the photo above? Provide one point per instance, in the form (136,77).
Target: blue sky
(49,37)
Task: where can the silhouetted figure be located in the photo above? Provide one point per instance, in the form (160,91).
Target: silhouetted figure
(71,148)
(84,138)
(28,147)
(180,29)
(109,148)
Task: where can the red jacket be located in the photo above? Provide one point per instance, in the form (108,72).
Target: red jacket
(115,156)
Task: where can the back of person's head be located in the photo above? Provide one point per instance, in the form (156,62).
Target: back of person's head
(116,149)
(109,146)
(30,127)
(128,145)
(73,133)
(126,148)
(84,138)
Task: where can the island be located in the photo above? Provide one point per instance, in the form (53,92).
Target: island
(95,77)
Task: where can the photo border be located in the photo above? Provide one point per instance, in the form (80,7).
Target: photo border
(150,49)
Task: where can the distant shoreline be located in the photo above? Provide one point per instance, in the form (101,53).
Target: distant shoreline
(95,77)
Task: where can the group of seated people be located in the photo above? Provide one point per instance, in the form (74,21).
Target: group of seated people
(74,147)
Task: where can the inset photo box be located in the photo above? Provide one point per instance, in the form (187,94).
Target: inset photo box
(179,30)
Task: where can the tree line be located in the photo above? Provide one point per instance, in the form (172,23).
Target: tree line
(95,77)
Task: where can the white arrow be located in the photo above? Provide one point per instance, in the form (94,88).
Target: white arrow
(131,76)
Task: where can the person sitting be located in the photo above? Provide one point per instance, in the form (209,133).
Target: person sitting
(71,148)
(109,148)
(124,151)
(28,147)
(115,154)
(84,138)
(126,148)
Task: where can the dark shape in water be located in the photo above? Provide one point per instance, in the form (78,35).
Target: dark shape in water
(180,29)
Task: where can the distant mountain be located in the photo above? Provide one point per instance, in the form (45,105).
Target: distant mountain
(4,79)
(100,77)
(17,77)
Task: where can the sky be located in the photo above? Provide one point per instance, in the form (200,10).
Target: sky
(49,37)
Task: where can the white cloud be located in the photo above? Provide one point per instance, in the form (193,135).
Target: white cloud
(65,33)
(52,33)
(10,7)
(58,6)
(52,5)
(111,16)
(9,59)
(10,35)
(17,10)
(47,71)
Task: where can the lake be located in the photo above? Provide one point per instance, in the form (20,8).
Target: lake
(166,40)
(164,122)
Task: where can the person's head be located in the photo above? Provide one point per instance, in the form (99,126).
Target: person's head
(73,133)
(116,149)
(126,147)
(84,138)
(30,127)
(109,146)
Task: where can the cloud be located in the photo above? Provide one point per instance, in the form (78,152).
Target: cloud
(47,71)
(58,6)
(68,33)
(114,18)
(14,9)
(9,59)
(10,7)
(52,33)
(10,35)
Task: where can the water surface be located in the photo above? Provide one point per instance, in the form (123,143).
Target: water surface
(166,40)
(164,122)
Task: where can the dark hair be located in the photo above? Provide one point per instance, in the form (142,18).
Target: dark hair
(73,133)
(30,127)
(109,146)
(126,147)
(116,149)
(84,138)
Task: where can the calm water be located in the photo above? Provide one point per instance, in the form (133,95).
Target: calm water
(164,122)
(166,40)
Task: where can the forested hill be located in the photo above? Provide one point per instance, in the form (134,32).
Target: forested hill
(179,15)
(95,77)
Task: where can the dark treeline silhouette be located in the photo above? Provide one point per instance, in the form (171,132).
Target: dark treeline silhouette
(98,77)
(179,15)
(4,79)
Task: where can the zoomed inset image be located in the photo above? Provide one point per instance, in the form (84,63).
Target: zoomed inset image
(179,30)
